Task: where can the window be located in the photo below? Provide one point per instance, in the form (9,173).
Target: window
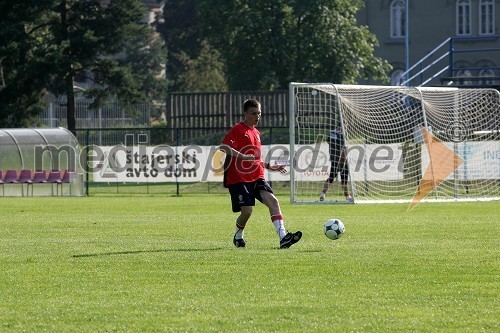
(486,17)
(487,73)
(397,77)
(398,19)
(463,17)
(462,74)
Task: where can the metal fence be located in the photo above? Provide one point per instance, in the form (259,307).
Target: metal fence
(111,114)
(186,119)
(90,137)
(193,112)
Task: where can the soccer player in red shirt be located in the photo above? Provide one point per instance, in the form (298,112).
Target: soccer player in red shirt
(244,176)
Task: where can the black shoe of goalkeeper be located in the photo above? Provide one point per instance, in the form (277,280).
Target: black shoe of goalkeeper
(239,242)
(290,239)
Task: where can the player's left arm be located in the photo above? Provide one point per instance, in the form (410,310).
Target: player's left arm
(270,167)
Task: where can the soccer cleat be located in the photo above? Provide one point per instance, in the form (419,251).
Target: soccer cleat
(239,242)
(322,197)
(348,198)
(290,239)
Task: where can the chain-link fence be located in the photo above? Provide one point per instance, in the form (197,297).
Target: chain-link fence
(95,141)
(111,114)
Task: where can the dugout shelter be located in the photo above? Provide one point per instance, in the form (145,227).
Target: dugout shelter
(40,162)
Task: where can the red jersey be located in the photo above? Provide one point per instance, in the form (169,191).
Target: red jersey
(246,140)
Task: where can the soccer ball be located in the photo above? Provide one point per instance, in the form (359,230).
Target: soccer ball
(334,229)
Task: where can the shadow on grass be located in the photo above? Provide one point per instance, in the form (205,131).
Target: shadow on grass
(143,251)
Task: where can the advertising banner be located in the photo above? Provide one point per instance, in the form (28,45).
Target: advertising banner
(205,163)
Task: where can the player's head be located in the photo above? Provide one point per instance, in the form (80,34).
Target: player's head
(251,112)
(251,103)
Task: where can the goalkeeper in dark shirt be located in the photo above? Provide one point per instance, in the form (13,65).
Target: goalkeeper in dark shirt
(338,164)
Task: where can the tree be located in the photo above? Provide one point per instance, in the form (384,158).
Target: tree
(63,38)
(181,31)
(268,43)
(22,70)
(193,63)
(205,73)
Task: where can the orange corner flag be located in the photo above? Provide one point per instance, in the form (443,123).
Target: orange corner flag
(442,162)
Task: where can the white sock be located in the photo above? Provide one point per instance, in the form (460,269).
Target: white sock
(239,232)
(279,225)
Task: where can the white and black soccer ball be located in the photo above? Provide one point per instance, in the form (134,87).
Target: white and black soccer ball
(334,229)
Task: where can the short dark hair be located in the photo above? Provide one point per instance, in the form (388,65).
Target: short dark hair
(250,103)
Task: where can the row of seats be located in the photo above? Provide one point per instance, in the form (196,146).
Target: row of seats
(31,177)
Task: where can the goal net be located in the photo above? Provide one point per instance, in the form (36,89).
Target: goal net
(386,143)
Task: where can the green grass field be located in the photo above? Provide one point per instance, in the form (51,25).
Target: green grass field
(167,264)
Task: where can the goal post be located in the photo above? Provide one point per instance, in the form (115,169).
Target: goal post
(401,143)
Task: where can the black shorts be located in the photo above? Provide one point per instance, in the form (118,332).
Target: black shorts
(244,194)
